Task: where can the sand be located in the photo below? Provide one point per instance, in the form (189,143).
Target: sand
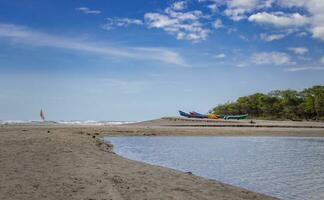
(71,162)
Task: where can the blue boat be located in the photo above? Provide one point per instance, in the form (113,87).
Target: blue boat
(183,114)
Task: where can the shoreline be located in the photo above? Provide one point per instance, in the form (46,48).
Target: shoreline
(49,162)
(175,126)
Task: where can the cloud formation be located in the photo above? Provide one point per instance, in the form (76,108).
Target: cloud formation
(279,19)
(304,16)
(271,37)
(180,5)
(298,50)
(315,9)
(112,23)
(271,58)
(213,7)
(23,35)
(312,21)
(297,69)
(218,24)
(183,25)
(238,9)
(219,56)
(87,10)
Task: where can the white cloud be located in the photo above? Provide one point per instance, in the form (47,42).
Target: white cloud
(237,9)
(316,8)
(271,37)
(111,23)
(23,35)
(218,24)
(292,3)
(271,58)
(235,14)
(279,19)
(241,65)
(183,25)
(316,15)
(298,50)
(180,5)
(160,54)
(87,10)
(278,35)
(306,15)
(219,56)
(318,32)
(213,7)
(297,69)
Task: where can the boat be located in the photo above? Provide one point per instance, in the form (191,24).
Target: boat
(184,114)
(237,117)
(212,116)
(194,114)
(197,115)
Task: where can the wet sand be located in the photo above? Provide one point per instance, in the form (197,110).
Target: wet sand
(70,162)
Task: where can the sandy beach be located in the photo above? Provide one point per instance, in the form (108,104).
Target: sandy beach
(71,162)
(231,91)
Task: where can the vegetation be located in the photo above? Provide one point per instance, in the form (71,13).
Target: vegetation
(286,104)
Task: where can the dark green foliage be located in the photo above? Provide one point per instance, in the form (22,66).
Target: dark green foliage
(285,104)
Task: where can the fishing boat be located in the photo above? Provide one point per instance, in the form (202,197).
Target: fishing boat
(194,114)
(212,116)
(237,117)
(184,114)
(197,115)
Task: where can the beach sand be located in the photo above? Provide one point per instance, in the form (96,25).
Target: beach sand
(70,162)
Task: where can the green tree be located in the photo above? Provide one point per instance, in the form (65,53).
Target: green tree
(290,101)
(278,104)
(313,104)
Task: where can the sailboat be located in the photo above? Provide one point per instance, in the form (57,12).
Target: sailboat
(41,114)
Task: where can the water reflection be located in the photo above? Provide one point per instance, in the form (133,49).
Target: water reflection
(288,168)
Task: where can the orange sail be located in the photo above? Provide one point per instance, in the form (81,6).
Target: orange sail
(42,115)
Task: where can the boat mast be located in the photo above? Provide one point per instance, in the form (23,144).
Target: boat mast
(42,115)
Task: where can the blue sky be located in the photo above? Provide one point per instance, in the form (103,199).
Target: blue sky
(136,60)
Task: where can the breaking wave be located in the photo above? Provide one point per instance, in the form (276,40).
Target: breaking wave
(71,122)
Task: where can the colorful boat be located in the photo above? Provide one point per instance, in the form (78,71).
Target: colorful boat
(212,116)
(237,117)
(197,115)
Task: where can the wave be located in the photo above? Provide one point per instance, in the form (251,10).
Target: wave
(91,122)
(71,122)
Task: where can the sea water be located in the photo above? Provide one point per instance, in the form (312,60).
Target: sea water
(283,167)
(62,122)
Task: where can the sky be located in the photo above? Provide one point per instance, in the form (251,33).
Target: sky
(137,60)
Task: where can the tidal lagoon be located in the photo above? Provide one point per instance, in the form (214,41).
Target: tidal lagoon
(283,167)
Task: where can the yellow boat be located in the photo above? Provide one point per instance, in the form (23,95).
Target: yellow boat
(212,116)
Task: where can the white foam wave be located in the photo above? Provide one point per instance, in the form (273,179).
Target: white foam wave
(91,122)
(20,121)
(72,122)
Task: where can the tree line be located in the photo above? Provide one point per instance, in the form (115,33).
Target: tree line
(307,104)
